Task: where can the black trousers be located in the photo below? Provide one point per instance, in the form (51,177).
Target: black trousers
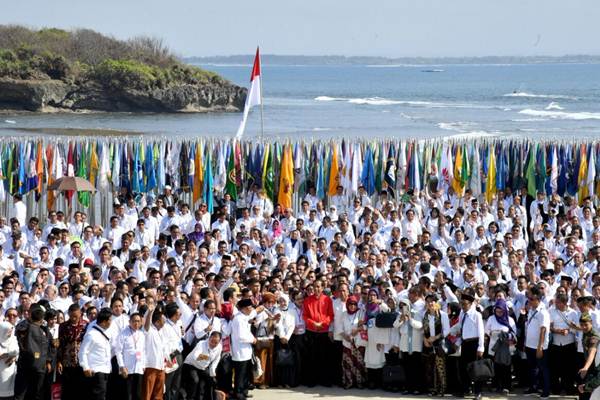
(336,357)
(298,346)
(115,386)
(241,371)
(197,384)
(319,360)
(28,384)
(173,381)
(97,385)
(563,367)
(71,383)
(225,373)
(503,376)
(133,384)
(413,368)
(468,353)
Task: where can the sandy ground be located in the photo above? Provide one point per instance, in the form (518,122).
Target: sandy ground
(305,393)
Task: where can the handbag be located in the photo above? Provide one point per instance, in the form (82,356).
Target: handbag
(257,370)
(481,370)
(501,350)
(393,375)
(284,358)
(385,319)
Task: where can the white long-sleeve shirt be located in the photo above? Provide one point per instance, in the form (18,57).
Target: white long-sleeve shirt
(205,358)
(241,337)
(130,350)
(472,328)
(95,351)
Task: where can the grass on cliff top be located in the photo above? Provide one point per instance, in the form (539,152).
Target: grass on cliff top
(83,55)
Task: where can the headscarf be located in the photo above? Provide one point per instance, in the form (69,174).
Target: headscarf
(351,300)
(197,235)
(372,308)
(503,320)
(6,334)
(276,231)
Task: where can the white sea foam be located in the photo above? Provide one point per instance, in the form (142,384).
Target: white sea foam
(10,121)
(561,114)
(540,96)
(381,101)
(327,98)
(529,119)
(554,106)
(317,129)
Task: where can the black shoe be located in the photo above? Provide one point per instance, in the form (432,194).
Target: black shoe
(531,391)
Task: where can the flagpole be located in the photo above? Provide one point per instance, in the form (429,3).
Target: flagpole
(262,121)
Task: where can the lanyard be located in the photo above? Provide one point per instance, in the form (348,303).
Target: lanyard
(134,338)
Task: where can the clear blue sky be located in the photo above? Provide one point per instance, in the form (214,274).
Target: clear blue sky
(343,27)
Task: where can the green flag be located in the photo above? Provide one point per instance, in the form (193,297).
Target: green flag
(83,197)
(541,170)
(268,175)
(530,172)
(231,185)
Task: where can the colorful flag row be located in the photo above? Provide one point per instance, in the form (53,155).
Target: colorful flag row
(205,166)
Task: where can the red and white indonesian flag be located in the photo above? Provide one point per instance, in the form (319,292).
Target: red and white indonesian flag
(254,97)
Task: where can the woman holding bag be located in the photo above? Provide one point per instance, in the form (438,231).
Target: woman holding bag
(501,329)
(436,327)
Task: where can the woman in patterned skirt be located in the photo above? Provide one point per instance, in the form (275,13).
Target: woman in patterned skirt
(353,363)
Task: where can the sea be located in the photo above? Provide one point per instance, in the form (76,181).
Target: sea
(535,101)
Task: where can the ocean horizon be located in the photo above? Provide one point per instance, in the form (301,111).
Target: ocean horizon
(410,101)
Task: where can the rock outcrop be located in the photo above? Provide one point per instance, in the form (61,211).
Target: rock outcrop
(52,95)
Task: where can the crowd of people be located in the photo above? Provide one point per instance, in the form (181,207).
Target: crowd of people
(403,293)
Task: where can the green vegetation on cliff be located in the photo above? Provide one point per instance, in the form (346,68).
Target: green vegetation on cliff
(84,55)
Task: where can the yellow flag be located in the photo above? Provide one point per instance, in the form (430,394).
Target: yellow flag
(583,191)
(198,175)
(94,164)
(490,186)
(457,181)
(334,173)
(286,179)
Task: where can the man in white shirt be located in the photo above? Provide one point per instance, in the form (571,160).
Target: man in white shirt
(95,355)
(537,335)
(156,354)
(242,340)
(19,209)
(200,367)
(471,331)
(129,348)
(172,333)
(564,346)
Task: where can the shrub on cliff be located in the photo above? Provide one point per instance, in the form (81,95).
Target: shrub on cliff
(82,54)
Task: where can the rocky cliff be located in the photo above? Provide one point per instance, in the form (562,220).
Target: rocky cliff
(52,70)
(56,96)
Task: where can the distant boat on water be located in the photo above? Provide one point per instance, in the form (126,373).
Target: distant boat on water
(433,70)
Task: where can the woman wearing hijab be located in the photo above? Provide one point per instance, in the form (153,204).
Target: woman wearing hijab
(353,364)
(376,339)
(501,327)
(265,324)
(9,350)
(284,374)
(436,327)
(197,235)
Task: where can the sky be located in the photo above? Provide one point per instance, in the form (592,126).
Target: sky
(390,28)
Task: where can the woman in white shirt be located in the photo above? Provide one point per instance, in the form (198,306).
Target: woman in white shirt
(354,372)
(9,350)
(500,326)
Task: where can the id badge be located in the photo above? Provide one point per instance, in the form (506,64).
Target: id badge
(138,355)
(36,355)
